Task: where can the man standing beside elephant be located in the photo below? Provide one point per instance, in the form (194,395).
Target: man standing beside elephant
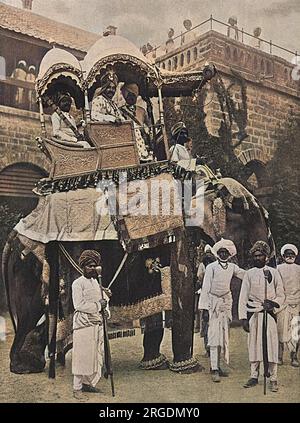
(88,338)
(216,302)
(290,311)
(262,291)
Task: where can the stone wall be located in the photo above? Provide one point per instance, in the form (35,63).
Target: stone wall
(267,110)
(18,132)
(271,93)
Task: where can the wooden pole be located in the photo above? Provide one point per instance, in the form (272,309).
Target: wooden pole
(162,122)
(87,108)
(42,117)
(265,335)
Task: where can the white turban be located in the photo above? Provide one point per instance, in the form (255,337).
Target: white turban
(207,248)
(224,243)
(289,247)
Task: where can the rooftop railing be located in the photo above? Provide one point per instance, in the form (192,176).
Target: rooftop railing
(18,94)
(232,31)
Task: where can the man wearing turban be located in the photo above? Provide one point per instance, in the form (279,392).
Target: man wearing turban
(180,136)
(138,116)
(216,303)
(252,304)
(64,126)
(89,301)
(20,73)
(104,108)
(288,314)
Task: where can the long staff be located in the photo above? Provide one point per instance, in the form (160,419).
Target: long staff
(265,334)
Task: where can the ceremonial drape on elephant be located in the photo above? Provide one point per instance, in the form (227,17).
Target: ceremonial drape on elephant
(69,216)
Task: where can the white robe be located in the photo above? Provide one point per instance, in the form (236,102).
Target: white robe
(61,130)
(19,98)
(217,299)
(179,152)
(290,274)
(253,295)
(88,342)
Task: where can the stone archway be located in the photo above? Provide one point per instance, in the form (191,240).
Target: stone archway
(16,200)
(17,182)
(251,154)
(255,161)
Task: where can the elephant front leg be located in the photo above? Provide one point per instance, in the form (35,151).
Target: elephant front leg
(27,352)
(183,309)
(153,335)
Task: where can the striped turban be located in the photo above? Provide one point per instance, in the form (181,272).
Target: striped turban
(262,247)
(89,257)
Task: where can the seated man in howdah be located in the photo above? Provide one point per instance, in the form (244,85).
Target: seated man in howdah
(63,124)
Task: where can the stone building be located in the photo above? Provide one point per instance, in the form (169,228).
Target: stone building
(259,86)
(25,37)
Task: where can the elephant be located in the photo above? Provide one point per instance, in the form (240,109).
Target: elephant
(230,211)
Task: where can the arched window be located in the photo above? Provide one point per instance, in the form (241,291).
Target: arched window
(255,63)
(182,60)
(258,174)
(175,62)
(163,65)
(169,65)
(188,57)
(2,68)
(16,184)
(242,58)
(195,54)
(227,52)
(19,179)
(269,68)
(286,74)
(235,55)
(248,60)
(262,65)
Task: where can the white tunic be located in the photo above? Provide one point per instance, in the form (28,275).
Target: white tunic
(217,299)
(290,274)
(60,128)
(179,152)
(252,297)
(88,344)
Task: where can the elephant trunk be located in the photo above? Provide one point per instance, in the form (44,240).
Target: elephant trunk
(5,262)
(183,306)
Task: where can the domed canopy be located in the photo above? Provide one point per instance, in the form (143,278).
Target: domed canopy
(127,60)
(60,70)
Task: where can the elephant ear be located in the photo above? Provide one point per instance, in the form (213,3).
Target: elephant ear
(233,190)
(206,222)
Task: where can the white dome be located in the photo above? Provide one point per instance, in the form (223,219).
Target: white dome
(57,56)
(111,45)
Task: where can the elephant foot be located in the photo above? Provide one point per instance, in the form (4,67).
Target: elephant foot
(23,368)
(26,363)
(191,365)
(159,363)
